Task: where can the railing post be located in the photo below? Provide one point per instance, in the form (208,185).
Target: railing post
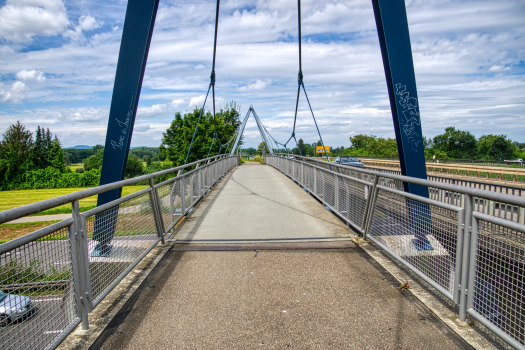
(78,266)
(370,206)
(157,213)
(315,180)
(469,208)
(183,195)
(336,195)
(373,201)
(472,264)
(302,173)
(199,182)
(172,199)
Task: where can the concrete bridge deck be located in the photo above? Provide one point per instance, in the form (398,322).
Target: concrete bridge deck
(304,287)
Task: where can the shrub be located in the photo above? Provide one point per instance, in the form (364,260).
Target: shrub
(258,158)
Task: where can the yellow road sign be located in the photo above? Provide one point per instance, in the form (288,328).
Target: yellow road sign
(320,149)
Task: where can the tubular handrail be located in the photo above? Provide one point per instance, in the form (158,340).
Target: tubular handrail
(25,210)
(499,197)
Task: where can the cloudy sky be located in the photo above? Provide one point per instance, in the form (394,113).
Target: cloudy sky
(58,60)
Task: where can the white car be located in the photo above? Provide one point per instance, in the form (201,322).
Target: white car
(14,307)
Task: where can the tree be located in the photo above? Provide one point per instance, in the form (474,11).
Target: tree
(262,149)
(177,138)
(56,156)
(457,144)
(502,148)
(372,146)
(133,167)
(39,149)
(15,152)
(496,147)
(249,151)
(94,161)
(301,146)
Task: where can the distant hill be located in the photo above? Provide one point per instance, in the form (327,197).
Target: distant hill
(80,147)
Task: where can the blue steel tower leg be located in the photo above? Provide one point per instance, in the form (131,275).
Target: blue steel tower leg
(134,47)
(394,40)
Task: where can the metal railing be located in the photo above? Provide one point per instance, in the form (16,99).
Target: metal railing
(471,252)
(456,161)
(54,277)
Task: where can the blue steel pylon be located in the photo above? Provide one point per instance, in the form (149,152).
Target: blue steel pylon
(394,40)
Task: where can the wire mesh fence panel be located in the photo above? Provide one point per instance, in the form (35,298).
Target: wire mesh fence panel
(391,183)
(170,203)
(423,235)
(205,178)
(499,277)
(194,187)
(188,182)
(328,180)
(352,198)
(215,172)
(297,171)
(308,177)
(37,292)
(116,238)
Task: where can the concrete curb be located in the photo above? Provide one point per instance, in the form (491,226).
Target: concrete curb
(108,308)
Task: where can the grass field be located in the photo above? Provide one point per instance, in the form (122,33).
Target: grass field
(11,231)
(75,166)
(13,199)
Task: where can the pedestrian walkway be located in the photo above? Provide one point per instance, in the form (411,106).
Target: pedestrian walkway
(256,202)
(283,284)
(40,218)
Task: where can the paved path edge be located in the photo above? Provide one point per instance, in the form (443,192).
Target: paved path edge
(435,306)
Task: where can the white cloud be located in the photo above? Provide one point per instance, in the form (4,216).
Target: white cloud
(258,85)
(498,68)
(141,128)
(13,95)
(21,20)
(31,75)
(196,102)
(153,111)
(74,115)
(85,23)
(177,102)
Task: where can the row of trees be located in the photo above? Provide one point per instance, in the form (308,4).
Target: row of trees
(453,143)
(459,144)
(40,163)
(23,159)
(79,155)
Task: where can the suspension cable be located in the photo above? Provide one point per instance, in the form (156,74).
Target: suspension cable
(212,86)
(301,84)
(196,126)
(315,122)
(212,76)
(297,146)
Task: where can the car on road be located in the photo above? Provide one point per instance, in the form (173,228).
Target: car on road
(14,308)
(348,160)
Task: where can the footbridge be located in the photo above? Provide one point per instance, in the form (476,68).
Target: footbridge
(275,255)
